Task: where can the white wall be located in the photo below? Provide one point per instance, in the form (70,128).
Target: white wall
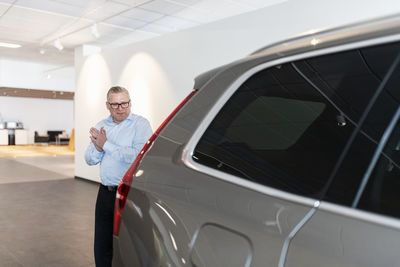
(160,72)
(37,114)
(34,75)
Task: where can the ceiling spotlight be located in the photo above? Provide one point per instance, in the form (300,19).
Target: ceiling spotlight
(95,31)
(9,45)
(57,44)
(42,51)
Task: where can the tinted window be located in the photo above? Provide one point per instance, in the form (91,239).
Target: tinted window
(276,130)
(358,158)
(382,192)
(348,178)
(287,126)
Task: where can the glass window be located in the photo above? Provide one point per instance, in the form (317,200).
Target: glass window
(381,194)
(287,126)
(276,130)
(385,67)
(348,177)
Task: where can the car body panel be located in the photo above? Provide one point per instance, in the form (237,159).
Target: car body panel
(345,237)
(172,195)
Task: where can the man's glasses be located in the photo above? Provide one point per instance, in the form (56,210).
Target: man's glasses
(116,105)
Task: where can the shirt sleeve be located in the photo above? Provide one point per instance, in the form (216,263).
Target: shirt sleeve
(92,155)
(129,153)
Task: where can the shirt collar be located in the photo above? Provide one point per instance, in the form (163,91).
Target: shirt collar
(130,118)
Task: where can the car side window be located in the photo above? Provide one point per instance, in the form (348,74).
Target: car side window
(384,64)
(276,130)
(381,195)
(287,125)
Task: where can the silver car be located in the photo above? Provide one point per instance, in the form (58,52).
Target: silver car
(288,157)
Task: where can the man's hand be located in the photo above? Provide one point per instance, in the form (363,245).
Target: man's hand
(98,138)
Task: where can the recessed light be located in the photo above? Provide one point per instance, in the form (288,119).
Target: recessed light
(9,45)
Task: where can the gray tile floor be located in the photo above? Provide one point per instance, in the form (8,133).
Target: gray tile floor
(47,216)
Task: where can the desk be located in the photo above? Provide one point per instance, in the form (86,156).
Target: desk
(3,137)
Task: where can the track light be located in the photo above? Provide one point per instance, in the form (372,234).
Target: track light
(95,31)
(58,45)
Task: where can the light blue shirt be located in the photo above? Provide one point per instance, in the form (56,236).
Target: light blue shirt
(124,142)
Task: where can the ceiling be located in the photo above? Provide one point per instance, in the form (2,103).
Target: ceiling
(37,24)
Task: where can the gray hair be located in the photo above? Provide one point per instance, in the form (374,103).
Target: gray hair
(117,89)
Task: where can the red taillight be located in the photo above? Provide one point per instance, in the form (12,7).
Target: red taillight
(125,184)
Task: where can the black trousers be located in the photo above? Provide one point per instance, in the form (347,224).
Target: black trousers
(103,228)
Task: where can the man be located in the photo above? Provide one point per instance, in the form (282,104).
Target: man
(115,143)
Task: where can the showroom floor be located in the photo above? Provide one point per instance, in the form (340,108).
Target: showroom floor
(47,216)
